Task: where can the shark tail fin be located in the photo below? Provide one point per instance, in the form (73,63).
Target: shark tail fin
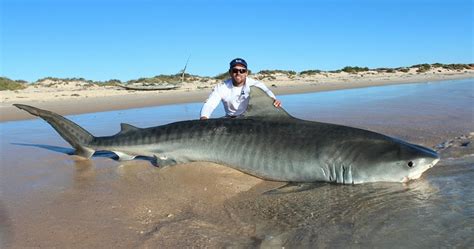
(75,135)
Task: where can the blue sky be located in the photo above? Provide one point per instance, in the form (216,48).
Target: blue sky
(129,39)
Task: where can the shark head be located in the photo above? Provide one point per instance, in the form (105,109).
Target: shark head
(419,158)
(394,161)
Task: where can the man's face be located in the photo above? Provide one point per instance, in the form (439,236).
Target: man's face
(238,74)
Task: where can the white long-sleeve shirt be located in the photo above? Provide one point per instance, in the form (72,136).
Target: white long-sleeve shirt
(235,99)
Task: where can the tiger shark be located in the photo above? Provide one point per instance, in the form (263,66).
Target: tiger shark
(266,142)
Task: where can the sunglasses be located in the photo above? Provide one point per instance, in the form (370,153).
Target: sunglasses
(238,70)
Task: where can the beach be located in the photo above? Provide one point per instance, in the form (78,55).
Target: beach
(51,198)
(372,147)
(78,97)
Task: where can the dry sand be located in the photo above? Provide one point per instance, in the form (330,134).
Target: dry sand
(81,97)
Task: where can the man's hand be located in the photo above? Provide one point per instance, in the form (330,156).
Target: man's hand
(276,103)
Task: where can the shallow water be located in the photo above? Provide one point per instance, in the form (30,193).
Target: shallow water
(436,211)
(52,199)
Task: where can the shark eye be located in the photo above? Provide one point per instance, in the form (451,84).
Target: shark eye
(410,164)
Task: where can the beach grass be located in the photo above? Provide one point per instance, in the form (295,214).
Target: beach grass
(349,69)
(8,84)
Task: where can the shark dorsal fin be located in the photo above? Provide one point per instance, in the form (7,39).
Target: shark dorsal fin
(124,128)
(261,106)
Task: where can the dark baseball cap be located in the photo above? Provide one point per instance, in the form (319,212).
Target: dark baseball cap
(238,61)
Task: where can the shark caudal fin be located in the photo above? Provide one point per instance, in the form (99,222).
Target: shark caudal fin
(70,131)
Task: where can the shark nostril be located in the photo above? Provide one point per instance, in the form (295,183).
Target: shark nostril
(410,164)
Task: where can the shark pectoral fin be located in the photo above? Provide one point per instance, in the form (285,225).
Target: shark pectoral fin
(294,187)
(123,157)
(84,152)
(163,161)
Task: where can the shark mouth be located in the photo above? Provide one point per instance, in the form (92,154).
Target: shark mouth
(417,174)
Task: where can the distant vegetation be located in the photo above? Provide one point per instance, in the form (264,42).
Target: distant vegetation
(66,79)
(113,82)
(310,72)
(8,84)
(422,67)
(63,81)
(355,69)
(286,72)
(389,70)
(454,66)
(458,67)
(403,69)
(162,78)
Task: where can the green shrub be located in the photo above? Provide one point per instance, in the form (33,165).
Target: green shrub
(422,68)
(8,84)
(112,82)
(67,80)
(310,72)
(456,66)
(381,69)
(405,70)
(286,72)
(349,69)
(162,78)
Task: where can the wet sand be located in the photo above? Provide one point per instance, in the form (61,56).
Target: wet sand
(52,199)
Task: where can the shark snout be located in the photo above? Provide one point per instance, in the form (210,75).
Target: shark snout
(434,162)
(420,170)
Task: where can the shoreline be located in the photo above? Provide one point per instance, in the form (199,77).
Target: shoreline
(96,100)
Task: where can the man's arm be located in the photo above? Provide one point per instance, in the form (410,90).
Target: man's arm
(211,103)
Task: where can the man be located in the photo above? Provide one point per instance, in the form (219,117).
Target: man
(234,92)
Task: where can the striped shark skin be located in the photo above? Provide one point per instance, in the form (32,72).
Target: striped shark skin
(267,143)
